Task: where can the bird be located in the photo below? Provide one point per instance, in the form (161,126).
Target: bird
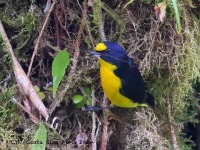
(120,78)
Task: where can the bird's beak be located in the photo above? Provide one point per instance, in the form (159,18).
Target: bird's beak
(94,53)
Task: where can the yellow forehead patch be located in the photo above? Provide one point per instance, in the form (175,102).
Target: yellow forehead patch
(101,47)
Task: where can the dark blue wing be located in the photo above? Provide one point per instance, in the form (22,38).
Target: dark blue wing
(133,85)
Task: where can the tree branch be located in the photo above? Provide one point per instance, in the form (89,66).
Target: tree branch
(105,125)
(39,38)
(171,127)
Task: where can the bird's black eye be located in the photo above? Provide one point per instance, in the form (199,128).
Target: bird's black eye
(108,50)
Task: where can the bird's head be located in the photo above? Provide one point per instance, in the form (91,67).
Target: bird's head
(110,52)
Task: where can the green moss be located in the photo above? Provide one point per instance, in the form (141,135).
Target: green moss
(22,23)
(9,116)
(168,61)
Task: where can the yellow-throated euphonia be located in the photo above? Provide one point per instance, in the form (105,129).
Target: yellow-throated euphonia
(120,78)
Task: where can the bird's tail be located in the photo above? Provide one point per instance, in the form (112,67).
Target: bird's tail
(150,99)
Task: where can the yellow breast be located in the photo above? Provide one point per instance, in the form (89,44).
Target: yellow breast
(111,85)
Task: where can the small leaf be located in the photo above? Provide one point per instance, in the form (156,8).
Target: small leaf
(41,95)
(80,104)
(37,89)
(89,101)
(77,98)
(60,63)
(88,92)
(40,139)
(50,88)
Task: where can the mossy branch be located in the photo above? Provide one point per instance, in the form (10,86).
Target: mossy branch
(171,127)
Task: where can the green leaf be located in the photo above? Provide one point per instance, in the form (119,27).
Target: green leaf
(80,104)
(50,88)
(60,63)
(37,89)
(88,93)
(40,139)
(41,95)
(178,22)
(77,98)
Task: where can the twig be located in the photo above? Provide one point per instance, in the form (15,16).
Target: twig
(90,35)
(171,128)
(97,131)
(105,111)
(6,41)
(14,100)
(79,124)
(101,29)
(105,125)
(93,134)
(55,48)
(120,120)
(198,131)
(39,37)
(24,84)
(71,74)
(57,29)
